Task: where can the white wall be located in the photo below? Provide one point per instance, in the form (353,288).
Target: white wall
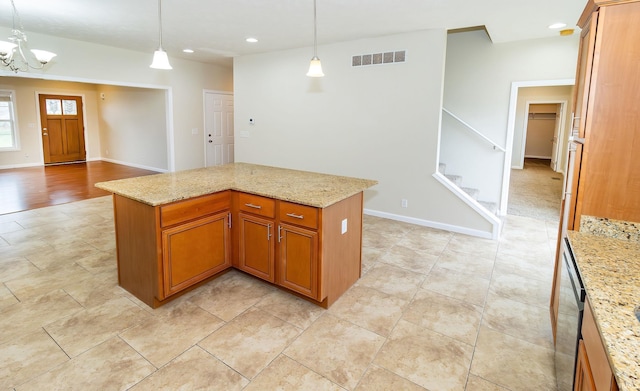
(379,122)
(82,61)
(478,81)
(133,126)
(533,95)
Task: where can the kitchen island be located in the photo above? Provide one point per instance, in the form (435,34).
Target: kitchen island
(299,230)
(610,270)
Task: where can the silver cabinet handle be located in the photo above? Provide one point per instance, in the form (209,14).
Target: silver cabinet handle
(295,216)
(268,232)
(253,206)
(279,233)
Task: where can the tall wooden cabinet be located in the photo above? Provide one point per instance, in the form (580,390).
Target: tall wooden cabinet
(604,177)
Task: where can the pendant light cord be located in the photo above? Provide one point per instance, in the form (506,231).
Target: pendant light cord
(160,21)
(315,31)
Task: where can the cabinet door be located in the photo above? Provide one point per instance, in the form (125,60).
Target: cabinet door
(298,267)
(584,378)
(194,251)
(256,246)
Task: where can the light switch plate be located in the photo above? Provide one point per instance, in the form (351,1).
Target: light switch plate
(344,226)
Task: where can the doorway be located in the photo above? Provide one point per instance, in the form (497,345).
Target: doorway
(218,128)
(542,132)
(62,126)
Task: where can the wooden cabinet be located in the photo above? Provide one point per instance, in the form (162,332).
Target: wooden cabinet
(166,250)
(256,243)
(194,251)
(298,260)
(298,267)
(256,224)
(298,247)
(593,371)
(608,89)
(584,378)
(604,178)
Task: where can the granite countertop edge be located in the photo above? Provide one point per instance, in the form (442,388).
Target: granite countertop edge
(302,187)
(610,270)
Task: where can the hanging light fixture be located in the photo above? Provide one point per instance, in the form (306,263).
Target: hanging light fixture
(15,54)
(160,59)
(315,68)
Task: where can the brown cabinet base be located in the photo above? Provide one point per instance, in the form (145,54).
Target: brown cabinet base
(165,251)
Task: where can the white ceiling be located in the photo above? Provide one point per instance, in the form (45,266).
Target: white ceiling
(217,29)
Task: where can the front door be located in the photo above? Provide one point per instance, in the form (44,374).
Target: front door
(62,129)
(218,124)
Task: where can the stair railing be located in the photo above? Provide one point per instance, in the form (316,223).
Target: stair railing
(474,131)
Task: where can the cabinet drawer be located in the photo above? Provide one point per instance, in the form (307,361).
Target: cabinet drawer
(194,208)
(306,216)
(256,205)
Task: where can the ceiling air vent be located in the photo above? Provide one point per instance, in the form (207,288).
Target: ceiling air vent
(378,58)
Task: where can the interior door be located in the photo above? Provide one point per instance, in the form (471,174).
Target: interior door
(219,133)
(555,149)
(62,128)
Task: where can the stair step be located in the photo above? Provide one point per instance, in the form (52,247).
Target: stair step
(457,179)
(442,168)
(473,193)
(490,206)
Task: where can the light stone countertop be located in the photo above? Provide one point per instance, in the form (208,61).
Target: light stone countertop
(610,271)
(302,187)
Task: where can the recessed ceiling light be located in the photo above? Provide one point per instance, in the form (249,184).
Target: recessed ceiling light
(557,25)
(251,40)
(187,50)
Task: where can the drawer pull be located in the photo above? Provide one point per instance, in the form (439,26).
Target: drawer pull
(253,206)
(295,216)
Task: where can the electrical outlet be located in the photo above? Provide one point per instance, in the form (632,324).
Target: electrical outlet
(405,203)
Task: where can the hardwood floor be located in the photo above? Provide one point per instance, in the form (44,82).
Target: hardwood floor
(37,187)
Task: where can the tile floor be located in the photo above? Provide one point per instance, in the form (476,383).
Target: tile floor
(433,310)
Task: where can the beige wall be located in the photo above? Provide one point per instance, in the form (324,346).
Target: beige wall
(96,64)
(133,126)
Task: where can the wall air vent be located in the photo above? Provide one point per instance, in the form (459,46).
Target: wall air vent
(379,58)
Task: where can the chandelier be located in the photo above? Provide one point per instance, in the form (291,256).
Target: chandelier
(15,54)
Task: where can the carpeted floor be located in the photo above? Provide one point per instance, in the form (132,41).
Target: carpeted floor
(535,191)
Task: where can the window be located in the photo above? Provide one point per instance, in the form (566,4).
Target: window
(8,129)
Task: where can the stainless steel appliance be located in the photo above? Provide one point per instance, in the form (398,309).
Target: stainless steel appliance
(570,310)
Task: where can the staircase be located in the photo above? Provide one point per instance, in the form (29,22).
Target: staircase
(457,181)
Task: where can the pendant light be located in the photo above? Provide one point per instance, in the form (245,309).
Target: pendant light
(315,68)
(160,59)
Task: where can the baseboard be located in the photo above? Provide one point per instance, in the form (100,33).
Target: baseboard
(430,224)
(134,165)
(24,165)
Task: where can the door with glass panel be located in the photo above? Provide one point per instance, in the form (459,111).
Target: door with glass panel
(62,128)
